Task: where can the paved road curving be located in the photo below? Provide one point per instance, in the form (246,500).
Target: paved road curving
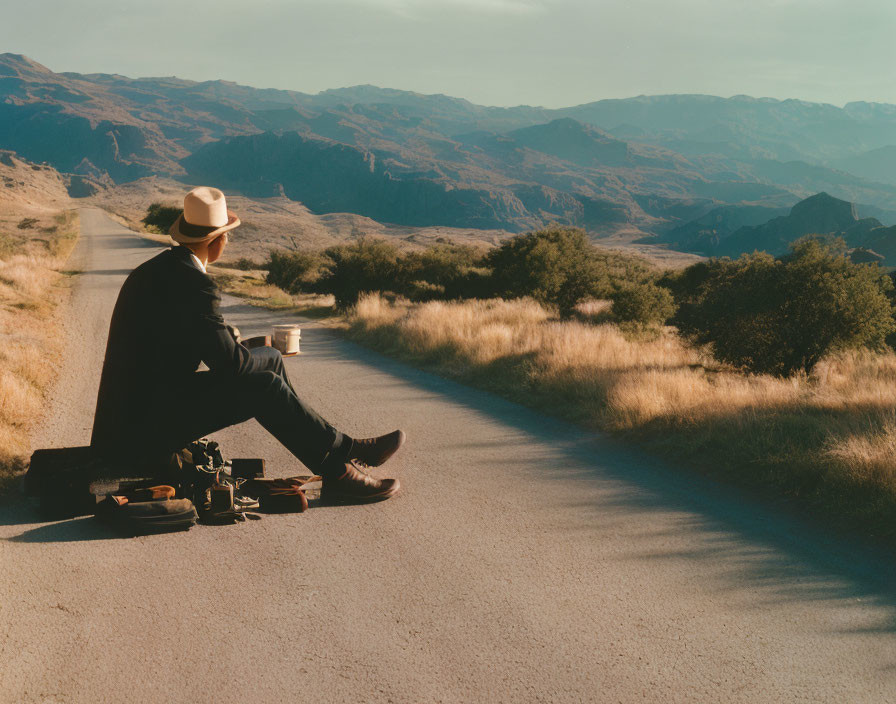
(524,561)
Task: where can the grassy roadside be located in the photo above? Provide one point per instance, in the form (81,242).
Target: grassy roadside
(34,249)
(825,443)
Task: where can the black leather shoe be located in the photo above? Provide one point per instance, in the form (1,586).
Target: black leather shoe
(373,452)
(356,487)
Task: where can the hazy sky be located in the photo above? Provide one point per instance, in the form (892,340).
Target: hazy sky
(495,52)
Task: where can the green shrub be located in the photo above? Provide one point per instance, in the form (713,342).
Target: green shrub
(420,291)
(8,245)
(364,266)
(296,272)
(686,284)
(476,282)
(781,316)
(556,266)
(619,269)
(643,303)
(246,264)
(559,267)
(439,271)
(159,218)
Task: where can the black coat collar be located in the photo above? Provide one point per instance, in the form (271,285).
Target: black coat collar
(184,253)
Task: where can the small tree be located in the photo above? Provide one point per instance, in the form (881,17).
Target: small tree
(296,272)
(643,303)
(160,218)
(556,266)
(783,315)
(364,266)
(439,271)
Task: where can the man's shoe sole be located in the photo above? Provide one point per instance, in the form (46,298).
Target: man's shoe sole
(345,499)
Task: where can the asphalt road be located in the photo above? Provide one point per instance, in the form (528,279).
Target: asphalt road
(525,560)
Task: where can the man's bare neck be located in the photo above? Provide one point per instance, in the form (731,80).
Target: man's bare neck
(201,253)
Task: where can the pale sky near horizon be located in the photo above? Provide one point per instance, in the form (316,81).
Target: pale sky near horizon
(553,53)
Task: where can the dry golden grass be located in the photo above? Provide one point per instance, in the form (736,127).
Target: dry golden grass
(828,439)
(32,284)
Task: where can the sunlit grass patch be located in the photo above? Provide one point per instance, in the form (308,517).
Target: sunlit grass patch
(32,284)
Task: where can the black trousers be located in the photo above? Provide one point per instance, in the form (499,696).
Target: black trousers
(211,401)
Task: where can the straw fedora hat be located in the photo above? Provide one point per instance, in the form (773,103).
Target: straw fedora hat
(205,217)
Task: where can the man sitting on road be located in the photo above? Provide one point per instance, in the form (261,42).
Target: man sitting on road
(165,321)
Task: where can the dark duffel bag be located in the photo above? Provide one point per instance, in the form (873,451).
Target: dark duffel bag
(147,517)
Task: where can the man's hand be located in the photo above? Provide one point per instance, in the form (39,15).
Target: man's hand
(234,331)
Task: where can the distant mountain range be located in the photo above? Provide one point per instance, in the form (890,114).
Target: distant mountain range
(665,167)
(734,230)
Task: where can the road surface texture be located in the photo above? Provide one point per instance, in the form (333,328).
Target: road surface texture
(525,560)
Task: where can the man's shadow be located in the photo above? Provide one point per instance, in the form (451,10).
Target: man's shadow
(68,531)
(16,509)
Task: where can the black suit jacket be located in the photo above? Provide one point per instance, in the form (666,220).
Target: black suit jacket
(166,320)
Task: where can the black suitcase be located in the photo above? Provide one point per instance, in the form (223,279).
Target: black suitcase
(67,480)
(60,477)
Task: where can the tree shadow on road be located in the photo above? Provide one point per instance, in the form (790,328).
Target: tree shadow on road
(109,272)
(125,239)
(757,550)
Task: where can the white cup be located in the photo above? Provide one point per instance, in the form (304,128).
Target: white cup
(286,338)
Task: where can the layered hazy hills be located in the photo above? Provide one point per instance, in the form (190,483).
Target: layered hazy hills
(747,128)
(640,166)
(876,164)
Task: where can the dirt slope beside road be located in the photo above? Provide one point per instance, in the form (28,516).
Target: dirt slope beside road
(525,560)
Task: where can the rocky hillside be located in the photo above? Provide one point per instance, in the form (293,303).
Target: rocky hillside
(732,231)
(330,176)
(25,185)
(708,233)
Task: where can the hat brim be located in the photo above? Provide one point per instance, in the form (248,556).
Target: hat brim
(186,233)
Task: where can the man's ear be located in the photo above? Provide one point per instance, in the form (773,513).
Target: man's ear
(216,246)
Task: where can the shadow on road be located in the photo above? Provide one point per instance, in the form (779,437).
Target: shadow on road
(126,240)
(109,272)
(755,544)
(19,510)
(70,531)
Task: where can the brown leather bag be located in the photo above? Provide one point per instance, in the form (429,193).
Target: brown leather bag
(280,495)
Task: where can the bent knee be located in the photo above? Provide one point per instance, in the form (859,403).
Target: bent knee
(263,380)
(268,355)
(264,384)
